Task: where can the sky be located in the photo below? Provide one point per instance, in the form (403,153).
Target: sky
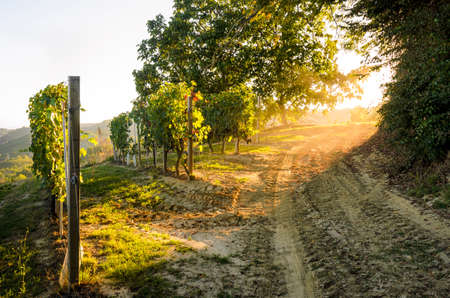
(372,86)
(43,42)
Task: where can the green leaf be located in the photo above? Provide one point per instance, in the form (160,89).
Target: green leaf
(92,140)
(83,152)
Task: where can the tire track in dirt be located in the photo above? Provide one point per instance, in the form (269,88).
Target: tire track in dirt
(360,245)
(288,247)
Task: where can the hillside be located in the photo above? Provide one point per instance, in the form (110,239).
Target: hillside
(15,161)
(12,141)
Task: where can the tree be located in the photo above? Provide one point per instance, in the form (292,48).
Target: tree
(119,134)
(168,120)
(45,115)
(222,44)
(412,37)
(230,113)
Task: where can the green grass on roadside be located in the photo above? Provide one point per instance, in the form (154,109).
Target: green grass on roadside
(100,180)
(120,248)
(133,258)
(19,273)
(23,207)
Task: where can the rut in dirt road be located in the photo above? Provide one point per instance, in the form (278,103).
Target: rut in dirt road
(363,240)
(288,247)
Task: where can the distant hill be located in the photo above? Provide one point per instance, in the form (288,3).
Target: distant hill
(13,141)
(3,131)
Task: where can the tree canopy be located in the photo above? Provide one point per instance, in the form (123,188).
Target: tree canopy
(412,36)
(269,45)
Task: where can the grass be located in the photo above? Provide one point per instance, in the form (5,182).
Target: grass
(132,258)
(110,193)
(119,248)
(19,211)
(19,273)
(5,188)
(217,258)
(425,185)
(431,185)
(444,200)
(100,180)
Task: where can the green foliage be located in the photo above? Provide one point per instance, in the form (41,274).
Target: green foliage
(119,134)
(167,114)
(140,116)
(426,185)
(230,113)
(223,44)
(444,201)
(413,37)
(17,270)
(5,188)
(45,115)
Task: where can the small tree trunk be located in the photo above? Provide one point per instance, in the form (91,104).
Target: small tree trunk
(114,153)
(190,144)
(52,205)
(257,129)
(177,164)
(210,145)
(283,114)
(154,154)
(236,146)
(165,159)
(139,146)
(222,150)
(128,159)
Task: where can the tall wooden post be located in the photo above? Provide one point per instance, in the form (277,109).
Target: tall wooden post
(190,161)
(66,174)
(74,179)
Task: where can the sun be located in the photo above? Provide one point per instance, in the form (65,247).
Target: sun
(372,86)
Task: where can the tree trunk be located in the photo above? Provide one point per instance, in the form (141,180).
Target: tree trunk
(257,129)
(222,150)
(114,153)
(53,206)
(283,114)
(154,153)
(139,145)
(177,164)
(210,146)
(236,146)
(165,159)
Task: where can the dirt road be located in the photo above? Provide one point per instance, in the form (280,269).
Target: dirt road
(340,232)
(310,225)
(294,218)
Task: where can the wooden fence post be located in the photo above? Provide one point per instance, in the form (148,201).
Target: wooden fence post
(66,174)
(190,161)
(73,203)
